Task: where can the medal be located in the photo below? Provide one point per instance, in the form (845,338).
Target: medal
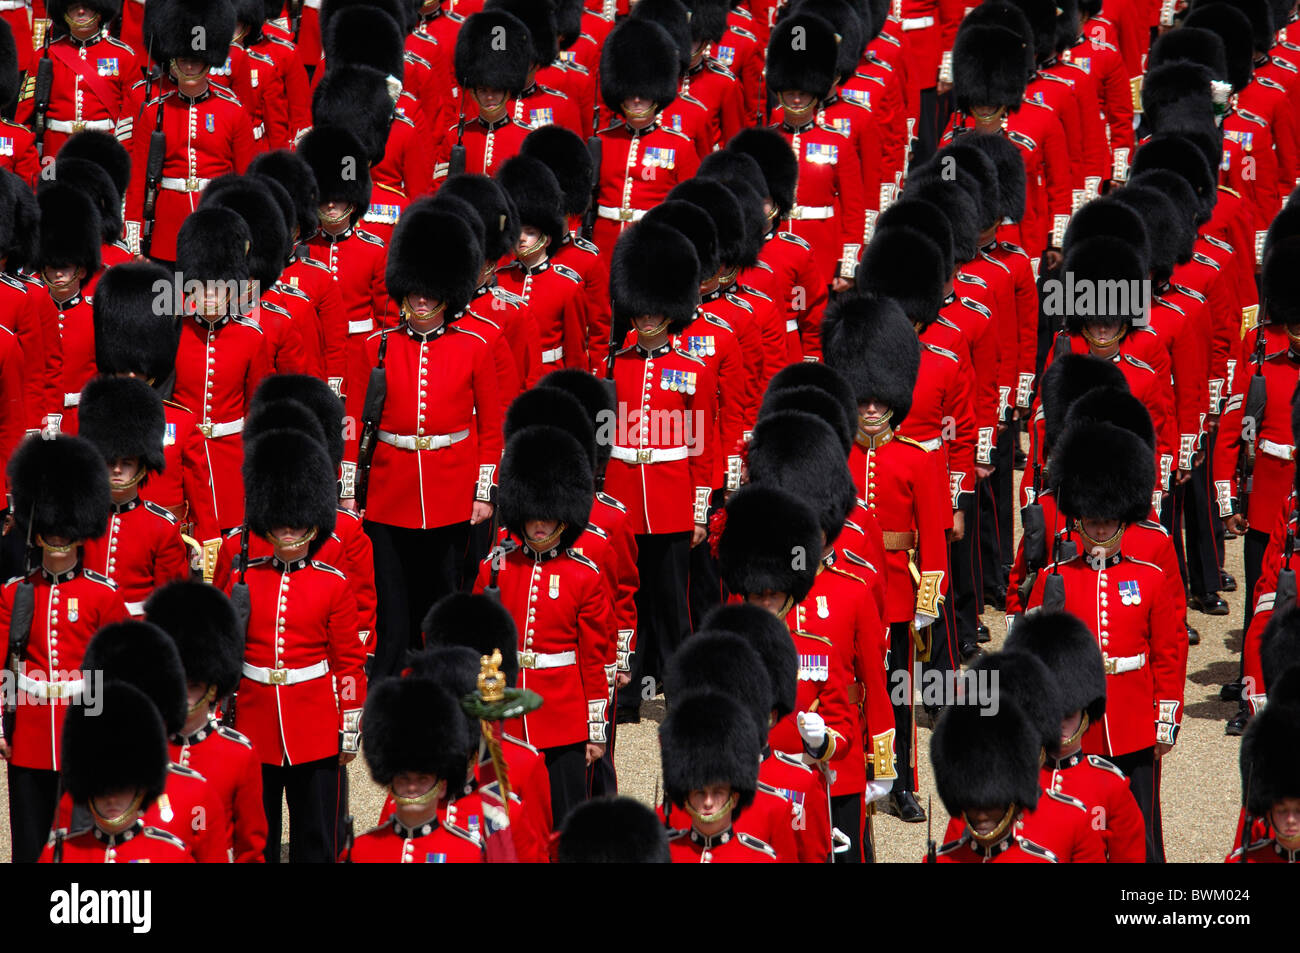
(1130,594)
(554,590)
(823,611)
(73,614)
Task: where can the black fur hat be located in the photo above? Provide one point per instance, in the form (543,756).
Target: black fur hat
(552,407)
(213,244)
(978,175)
(414,724)
(1233,27)
(771,541)
(1178,155)
(1069,650)
(298,179)
(654,273)
(364,36)
(10,78)
(537,196)
(722,662)
(1176,190)
(870,341)
(455,668)
(1171,88)
(597,402)
(673,16)
(566,155)
(314,394)
(983,761)
(71,232)
(121,748)
(202,623)
(101,148)
(1286,224)
(613,830)
(56,10)
(466,212)
(720,203)
(129,333)
(1101,471)
(545,474)
(904,264)
(1118,406)
(926,218)
(739,173)
(1041,16)
(1281,281)
(253,201)
(1270,770)
(288,481)
(174,28)
(286,414)
(401,12)
(433,253)
(476,622)
(802,454)
(848,28)
(1068,378)
(538,16)
(697,225)
(144,656)
(770,638)
(20,222)
(779,166)
(123,417)
(810,400)
(96,184)
(954,197)
(1108,217)
(491,52)
(1068,25)
(709,739)
(989,67)
(1010,166)
(490,201)
(1024,679)
(875,14)
(1193,44)
(829,381)
(356,97)
(806,60)
(1279,645)
(568,22)
(709,20)
(59,488)
(1103,263)
(252,14)
(337,159)
(1166,229)
(640,58)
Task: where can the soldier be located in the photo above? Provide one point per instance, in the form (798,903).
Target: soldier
(17,143)
(142,550)
(536,105)
(95,183)
(1268,780)
(1101,59)
(616,830)
(116,766)
(279,69)
(61,500)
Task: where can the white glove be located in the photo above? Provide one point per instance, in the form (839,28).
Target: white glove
(879,789)
(921,621)
(812,729)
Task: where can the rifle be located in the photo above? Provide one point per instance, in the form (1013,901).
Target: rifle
(1251,416)
(153,169)
(589,216)
(20,631)
(456,164)
(295,18)
(376,396)
(1285,591)
(43,86)
(1035,529)
(1054,587)
(242,603)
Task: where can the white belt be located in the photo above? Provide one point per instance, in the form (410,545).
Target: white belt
(553,355)
(547,659)
(1118,666)
(649,454)
(286,676)
(48,690)
(428,441)
(212,431)
(933,444)
(1280,451)
(259,131)
(791,325)
(13,4)
(72,128)
(135,608)
(72,400)
(917,23)
(183,185)
(808,213)
(620,214)
(361,327)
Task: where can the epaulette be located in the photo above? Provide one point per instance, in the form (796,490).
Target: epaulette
(275,309)
(1251,117)
(912,443)
(713,66)
(1162,302)
(1029,847)
(1020,139)
(889,38)
(232,533)
(793,239)
(162,511)
(775,792)
(1066,799)
(1097,761)
(1154,526)
(317,564)
(1142,562)
(993,261)
(791,760)
(399,117)
(1270,83)
(13,283)
(674,132)
(572,66)
(259,56)
(677,835)
(855,102)
(941,351)
(580,242)
(838,132)
(625,350)
(1219,242)
(245,322)
(1013,248)
(230,734)
(96,577)
(472,334)
(716,321)
(313,262)
(1236,195)
(344,513)
(819,638)
(14,579)
(1205,260)
(753,843)
(975,280)
(739,302)
(844,572)
(227,96)
(740,12)
(272,38)
(1190,292)
(551,92)
(1288,45)
(849,524)
(292,292)
(741,31)
(462,833)
(610,501)
(416,58)
(1138,363)
(366,236)
(564,271)
(114,41)
(857,560)
(509,297)
(952,845)
(259,561)
(1285,64)
(184,771)
(579,558)
(597,531)
(520,742)
(154,833)
(976,306)
(754,291)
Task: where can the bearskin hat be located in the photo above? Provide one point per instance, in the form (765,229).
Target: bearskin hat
(869,340)
(1166,230)
(904,264)
(130,336)
(1173,94)
(298,179)
(1068,378)
(1179,193)
(455,668)
(330,152)
(289,481)
(640,58)
(59,487)
(200,29)
(356,97)
(1107,217)
(566,155)
(10,78)
(549,406)
(545,474)
(435,254)
(252,14)
(723,208)
(1069,650)
(253,201)
(1041,16)
(1279,645)
(202,623)
(401,12)
(1068,25)
(538,17)
(1233,27)
(771,541)
(123,417)
(770,638)
(476,622)
(1192,44)
(925,218)
(875,14)
(120,748)
(1178,155)
(20,222)
(414,724)
(806,61)
(852,42)
(985,760)
(1010,166)
(1101,471)
(537,196)
(597,401)
(1025,680)
(493,205)
(813,401)
(490,52)
(722,662)
(101,148)
(1285,224)
(738,173)
(979,176)
(673,16)
(960,206)
(697,225)
(1117,406)
(364,36)
(707,739)
(654,273)
(989,68)
(144,656)
(802,454)
(314,394)
(568,21)
(71,233)
(283,414)
(613,830)
(1280,12)
(95,183)
(1104,263)
(213,244)
(1270,771)
(1281,282)
(827,379)
(779,166)
(709,20)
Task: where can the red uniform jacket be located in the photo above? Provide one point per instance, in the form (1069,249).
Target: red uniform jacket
(329,336)
(1181,322)
(557,299)
(290,84)
(1276,558)
(511,315)
(769,819)
(140,552)
(1104,790)
(184,487)
(18,151)
(729,847)
(13,409)
(722,95)
(739,315)
(879,86)
(709,338)
(454,837)
(1267,851)
(227,759)
(825,677)
(942,417)
(77,343)
(1103,62)
(975,317)
(487,146)
(1013,850)
(740,51)
(1060,823)
(787,272)
(42,362)
(805,790)
(583,258)
(138,844)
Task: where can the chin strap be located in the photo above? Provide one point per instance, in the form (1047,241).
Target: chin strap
(1073,740)
(542,545)
(115,825)
(717,815)
(991,838)
(430,796)
(653,332)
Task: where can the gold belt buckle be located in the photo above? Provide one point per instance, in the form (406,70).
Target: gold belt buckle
(78,125)
(796,212)
(645,455)
(528,659)
(625,214)
(279,676)
(424,442)
(1111,665)
(53,690)
(206,429)
(192,184)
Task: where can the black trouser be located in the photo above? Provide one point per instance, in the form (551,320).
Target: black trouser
(706,584)
(1171,518)
(414,568)
(995,519)
(901,654)
(662,611)
(33,797)
(1200,552)
(313,790)
(1143,772)
(934,113)
(960,609)
(1256,542)
(846,815)
(602,778)
(478,544)
(567,767)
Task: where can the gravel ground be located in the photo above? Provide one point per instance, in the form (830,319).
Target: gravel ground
(1200,781)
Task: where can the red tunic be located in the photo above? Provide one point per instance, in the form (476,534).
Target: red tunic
(1104,790)
(138,844)
(487,146)
(77,343)
(454,837)
(557,298)
(1060,823)
(140,552)
(227,759)
(184,487)
(329,335)
(804,789)
(729,847)
(18,152)
(42,362)
(787,273)
(769,819)
(13,410)
(1013,850)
